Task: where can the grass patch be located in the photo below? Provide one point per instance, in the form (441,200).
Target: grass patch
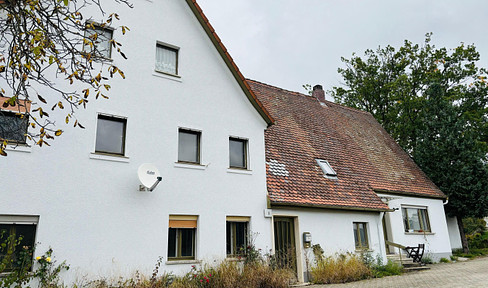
(444,260)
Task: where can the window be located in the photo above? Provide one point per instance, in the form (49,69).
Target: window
(189,146)
(166,59)
(13,127)
(181,237)
(326,168)
(360,235)
(236,235)
(110,135)
(100,37)
(237,153)
(17,228)
(416,219)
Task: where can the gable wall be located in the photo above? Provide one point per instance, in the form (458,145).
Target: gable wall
(91,212)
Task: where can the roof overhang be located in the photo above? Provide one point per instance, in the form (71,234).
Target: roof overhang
(334,207)
(229,61)
(410,194)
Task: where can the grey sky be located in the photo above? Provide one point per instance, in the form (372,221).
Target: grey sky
(289,43)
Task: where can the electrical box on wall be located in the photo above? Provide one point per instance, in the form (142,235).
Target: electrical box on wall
(268,213)
(307,239)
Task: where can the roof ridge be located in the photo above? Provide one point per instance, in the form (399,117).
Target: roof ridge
(278,88)
(327,102)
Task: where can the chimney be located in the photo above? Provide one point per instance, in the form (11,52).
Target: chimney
(318,92)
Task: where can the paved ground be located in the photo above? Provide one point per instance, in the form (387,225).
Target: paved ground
(473,273)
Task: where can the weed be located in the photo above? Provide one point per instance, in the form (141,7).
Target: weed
(444,260)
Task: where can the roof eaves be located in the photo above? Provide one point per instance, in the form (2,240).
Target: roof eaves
(335,207)
(229,61)
(411,194)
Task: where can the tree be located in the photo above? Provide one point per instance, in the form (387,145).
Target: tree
(434,104)
(52,57)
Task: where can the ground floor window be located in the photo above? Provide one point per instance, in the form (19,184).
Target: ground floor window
(181,237)
(416,219)
(236,235)
(360,235)
(17,241)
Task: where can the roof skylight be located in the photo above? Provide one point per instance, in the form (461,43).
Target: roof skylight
(325,166)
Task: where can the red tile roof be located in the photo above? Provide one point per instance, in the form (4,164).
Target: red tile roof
(367,160)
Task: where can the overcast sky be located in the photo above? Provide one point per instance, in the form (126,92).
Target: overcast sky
(288,43)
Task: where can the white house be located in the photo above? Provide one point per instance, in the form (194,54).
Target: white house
(336,178)
(185,108)
(326,174)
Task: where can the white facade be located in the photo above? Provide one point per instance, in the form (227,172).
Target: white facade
(454,235)
(333,230)
(437,240)
(90,209)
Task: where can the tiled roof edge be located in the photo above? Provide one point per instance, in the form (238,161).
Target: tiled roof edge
(334,207)
(411,194)
(198,12)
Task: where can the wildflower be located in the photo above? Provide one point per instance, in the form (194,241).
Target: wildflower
(38,258)
(201,280)
(48,259)
(209,275)
(207,281)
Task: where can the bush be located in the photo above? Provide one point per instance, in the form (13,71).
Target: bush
(444,260)
(478,240)
(389,269)
(474,225)
(340,269)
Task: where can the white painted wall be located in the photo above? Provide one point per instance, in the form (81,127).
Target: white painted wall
(437,243)
(333,230)
(91,212)
(454,235)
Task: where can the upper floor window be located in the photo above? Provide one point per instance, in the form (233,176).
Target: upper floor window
(237,153)
(189,146)
(360,235)
(416,219)
(100,38)
(166,59)
(110,135)
(13,127)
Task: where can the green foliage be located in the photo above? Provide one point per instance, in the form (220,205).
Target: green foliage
(427,259)
(47,273)
(339,269)
(478,240)
(474,225)
(444,260)
(43,42)
(434,104)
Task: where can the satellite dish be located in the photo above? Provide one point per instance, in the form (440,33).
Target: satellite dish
(149,176)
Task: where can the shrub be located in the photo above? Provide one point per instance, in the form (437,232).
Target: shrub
(474,225)
(340,269)
(389,269)
(427,259)
(478,240)
(444,260)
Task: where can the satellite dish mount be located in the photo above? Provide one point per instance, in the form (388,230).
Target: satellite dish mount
(149,176)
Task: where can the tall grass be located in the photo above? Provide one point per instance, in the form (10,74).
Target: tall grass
(340,269)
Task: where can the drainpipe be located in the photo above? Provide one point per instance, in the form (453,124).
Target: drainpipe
(447,201)
(380,228)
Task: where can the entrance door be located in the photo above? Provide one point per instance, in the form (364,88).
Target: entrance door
(284,236)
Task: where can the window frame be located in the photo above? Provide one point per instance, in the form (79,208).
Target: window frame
(124,132)
(198,143)
(245,153)
(179,242)
(23,118)
(91,51)
(14,221)
(327,169)
(231,235)
(170,48)
(423,219)
(358,241)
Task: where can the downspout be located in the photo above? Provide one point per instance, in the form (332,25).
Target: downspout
(447,201)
